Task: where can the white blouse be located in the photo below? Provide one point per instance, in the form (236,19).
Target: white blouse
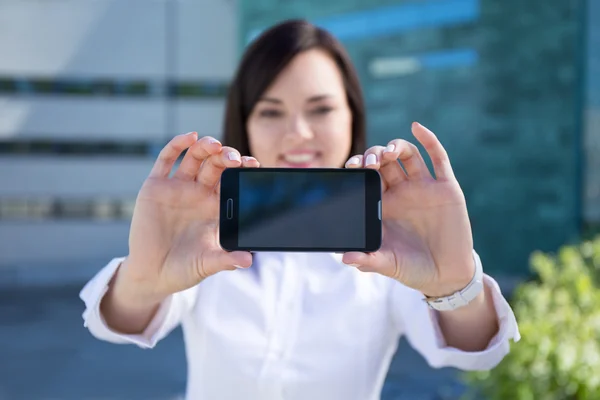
(297,326)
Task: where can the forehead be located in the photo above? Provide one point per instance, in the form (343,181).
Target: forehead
(309,73)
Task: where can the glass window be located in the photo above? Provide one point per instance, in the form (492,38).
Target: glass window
(110,87)
(27,209)
(126,209)
(12,209)
(36,146)
(104,210)
(40,209)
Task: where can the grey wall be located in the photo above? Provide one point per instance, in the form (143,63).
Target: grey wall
(151,41)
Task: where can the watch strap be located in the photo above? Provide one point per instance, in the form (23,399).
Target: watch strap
(462,297)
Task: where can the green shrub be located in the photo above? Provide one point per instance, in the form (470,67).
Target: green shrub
(558,356)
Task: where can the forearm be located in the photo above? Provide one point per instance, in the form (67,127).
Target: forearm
(125,308)
(470,328)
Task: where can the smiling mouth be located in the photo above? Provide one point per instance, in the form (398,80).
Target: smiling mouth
(300,159)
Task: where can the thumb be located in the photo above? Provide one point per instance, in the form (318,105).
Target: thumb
(380,262)
(220,260)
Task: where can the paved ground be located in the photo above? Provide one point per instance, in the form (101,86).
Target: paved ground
(46,354)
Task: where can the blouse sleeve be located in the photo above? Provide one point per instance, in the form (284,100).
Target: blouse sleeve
(168,316)
(413,318)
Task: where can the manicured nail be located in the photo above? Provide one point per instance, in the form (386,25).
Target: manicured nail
(233,156)
(390,148)
(354,161)
(371,159)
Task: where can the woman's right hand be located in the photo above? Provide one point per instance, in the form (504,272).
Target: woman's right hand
(173,241)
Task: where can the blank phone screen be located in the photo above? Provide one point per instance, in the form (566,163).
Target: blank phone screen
(301,209)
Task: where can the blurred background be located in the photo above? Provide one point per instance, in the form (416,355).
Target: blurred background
(90,90)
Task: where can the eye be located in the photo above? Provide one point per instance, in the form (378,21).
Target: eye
(322,110)
(270,113)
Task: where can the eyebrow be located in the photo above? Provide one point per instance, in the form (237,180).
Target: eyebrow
(319,97)
(312,99)
(270,100)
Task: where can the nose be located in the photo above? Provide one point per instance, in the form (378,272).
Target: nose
(299,128)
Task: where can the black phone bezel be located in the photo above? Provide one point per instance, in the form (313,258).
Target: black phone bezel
(228,227)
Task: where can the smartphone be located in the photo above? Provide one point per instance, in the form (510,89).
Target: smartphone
(300,210)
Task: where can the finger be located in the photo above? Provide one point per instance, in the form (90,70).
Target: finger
(372,159)
(170,153)
(435,150)
(219,260)
(411,158)
(250,162)
(391,170)
(354,161)
(247,162)
(212,167)
(195,156)
(379,262)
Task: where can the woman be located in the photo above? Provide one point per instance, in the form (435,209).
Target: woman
(300,326)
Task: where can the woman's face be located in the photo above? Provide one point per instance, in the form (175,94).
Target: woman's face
(303,119)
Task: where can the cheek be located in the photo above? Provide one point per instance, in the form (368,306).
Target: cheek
(263,141)
(336,136)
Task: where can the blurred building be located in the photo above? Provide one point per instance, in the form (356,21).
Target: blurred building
(510,87)
(591,110)
(89,91)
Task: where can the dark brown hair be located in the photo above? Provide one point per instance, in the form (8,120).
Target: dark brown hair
(262,62)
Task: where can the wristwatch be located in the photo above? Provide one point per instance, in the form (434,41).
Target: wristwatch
(462,297)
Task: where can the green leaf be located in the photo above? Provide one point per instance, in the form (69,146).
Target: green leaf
(558,356)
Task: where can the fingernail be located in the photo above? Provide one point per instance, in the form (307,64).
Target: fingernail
(239,266)
(390,148)
(353,161)
(233,156)
(371,159)
(213,140)
(190,133)
(353,265)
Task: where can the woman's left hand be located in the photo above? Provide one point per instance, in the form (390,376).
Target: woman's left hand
(427,240)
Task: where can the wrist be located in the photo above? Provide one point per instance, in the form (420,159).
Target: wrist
(450,287)
(132,293)
(445,290)
(126,307)
(461,295)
